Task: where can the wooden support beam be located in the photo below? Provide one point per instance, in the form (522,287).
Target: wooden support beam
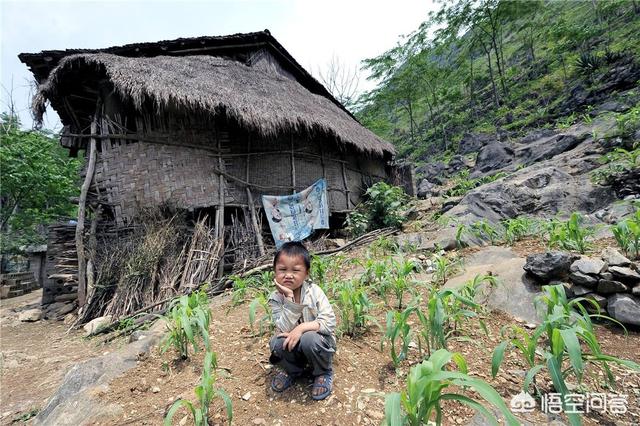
(82,205)
(250,205)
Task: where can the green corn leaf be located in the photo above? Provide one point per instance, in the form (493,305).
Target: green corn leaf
(393,410)
(530,376)
(575,352)
(496,359)
(227,403)
(175,407)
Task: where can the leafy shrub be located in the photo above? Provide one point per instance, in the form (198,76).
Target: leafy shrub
(616,162)
(206,392)
(426,389)
(463,184)
(187,319)
(385,206)
(588,63)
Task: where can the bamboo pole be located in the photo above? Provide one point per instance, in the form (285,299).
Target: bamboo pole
(252,210)
(293,166)
(220,221)
(82,205)
(346,186)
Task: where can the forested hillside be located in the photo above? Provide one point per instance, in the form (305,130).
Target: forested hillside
(501,68)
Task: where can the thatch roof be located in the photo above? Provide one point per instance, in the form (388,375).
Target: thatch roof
(265,102)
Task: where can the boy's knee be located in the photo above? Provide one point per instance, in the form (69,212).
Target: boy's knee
(275,344)
(310,340)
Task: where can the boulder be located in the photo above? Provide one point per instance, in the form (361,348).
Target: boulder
(473,142)
(636,290)
(588,266)
(624,308)
(625,274)
(433,172)
(546,148)
(30,315)
(606,276)
(493,156)
(614,258)
(456,164)
(583,279)
(96,324)
(608,286)
(549,265)
(424,189)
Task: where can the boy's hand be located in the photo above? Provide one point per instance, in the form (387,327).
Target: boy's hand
(286,292)
(291,338)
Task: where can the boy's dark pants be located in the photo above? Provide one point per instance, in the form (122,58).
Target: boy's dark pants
(314,349)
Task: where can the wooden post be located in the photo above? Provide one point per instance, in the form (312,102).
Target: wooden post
(293,166)
(252,210)
(82,205)
(220,217)
(346,186)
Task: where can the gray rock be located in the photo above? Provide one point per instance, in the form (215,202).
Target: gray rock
(549,265)
(547,148)
(64,310)
(493,156)
(30,315)
(614,258)
(624,308)
(456,164)
(588,266)
(579,290)
(474,142)
(607,286)
(625,274)
(66,297)
(606,276)
(433,172)
(583,279)
(96,324)
(424,189)
(636,290)
(600,300)
(54,307)
(75,401)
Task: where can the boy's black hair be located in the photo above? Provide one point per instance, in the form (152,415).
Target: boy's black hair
(294,249)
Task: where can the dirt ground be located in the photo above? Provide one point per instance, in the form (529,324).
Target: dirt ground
(34,357)
(363,376)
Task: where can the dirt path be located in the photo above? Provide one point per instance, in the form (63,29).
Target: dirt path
(34,358)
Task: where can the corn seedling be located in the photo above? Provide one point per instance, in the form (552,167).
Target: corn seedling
(427,388)
(241,287)
(443,268)
(570,235)
(265,323)
(384,245)
(205,392)
(398,327)
(563,344)
(627,235)
(518,228)
(486,232)
(400,278)
(354,306)
(187,319)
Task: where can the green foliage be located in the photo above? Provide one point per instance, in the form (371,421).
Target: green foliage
(354,306)
(206,392)
(397,326)
(265,323)
(570,235)
(472,67)
(627,234)
(563,344)
(427,387)
(519,228)
(443,268)
(463,184)
(187,319)
(485,231)
(399,278)
(38,179)
(617,162)
(385,206)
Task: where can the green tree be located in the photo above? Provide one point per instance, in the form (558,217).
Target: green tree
(37,180)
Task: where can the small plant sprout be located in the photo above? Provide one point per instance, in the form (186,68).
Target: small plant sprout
(187,319)
(570,235)
(353,307)
(265,323)
(205,392)
(428,386)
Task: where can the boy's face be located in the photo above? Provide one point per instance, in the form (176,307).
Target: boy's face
(291,271)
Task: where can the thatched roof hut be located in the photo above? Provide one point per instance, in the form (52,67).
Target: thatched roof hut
(205,124)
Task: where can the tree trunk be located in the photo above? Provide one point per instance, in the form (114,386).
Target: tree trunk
(493,81)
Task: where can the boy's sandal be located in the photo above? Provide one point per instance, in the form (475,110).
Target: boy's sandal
(327,385)
(281,381)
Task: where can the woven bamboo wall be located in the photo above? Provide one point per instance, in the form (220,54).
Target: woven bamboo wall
(183,170)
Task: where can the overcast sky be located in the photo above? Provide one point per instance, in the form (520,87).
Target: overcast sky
(312,31)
